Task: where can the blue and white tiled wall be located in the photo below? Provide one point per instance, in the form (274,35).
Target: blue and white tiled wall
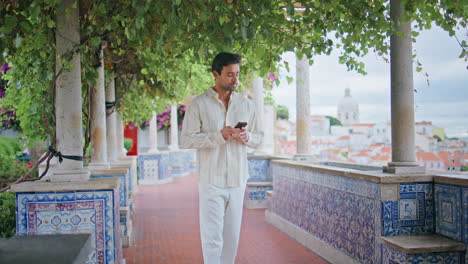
(340,211)
(259,170)
(161,166)
(349,214)
(185,161)
(413,213)
(392,256)
(123,186)
(451,208)
(74,212)
(258,192)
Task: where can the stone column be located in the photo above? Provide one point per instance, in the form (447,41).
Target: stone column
(269,128)
(174,145)
(303,129)
(111,123)
(69,126)
(258,98)
(98,120)
(153,135)
(122,152)
(402,96)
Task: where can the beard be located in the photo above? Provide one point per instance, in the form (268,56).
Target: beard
(230,87)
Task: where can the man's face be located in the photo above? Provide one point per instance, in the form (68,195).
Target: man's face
(229,77)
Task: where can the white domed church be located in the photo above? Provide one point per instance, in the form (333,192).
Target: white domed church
(348,109)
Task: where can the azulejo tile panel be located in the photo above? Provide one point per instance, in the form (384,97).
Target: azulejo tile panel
(342,219)
(436,258)
(345,184)
(391,256)
(123,186)
(165,169)
(259,170)
(465,216)
(72,212)
(184,161)
(165,165)
(258,192)
(412,214)
(449,211)
(149,167)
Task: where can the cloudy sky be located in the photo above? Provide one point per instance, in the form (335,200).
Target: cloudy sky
(444,101)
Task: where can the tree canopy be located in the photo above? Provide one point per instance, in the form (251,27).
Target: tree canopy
(159,51)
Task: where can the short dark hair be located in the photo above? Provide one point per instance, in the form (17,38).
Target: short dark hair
(224,59)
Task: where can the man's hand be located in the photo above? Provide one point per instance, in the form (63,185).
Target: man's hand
(230,132)
(242,136)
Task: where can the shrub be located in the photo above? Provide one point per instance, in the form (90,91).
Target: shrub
(7,214)
(10,146)
(11,168)
(128,143)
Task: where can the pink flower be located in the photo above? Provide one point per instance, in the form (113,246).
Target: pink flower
(271,77)
(5,68)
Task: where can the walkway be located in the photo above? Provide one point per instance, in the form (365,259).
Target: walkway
(165,230)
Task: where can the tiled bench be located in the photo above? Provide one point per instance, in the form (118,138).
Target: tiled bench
(256,194)
(431,248)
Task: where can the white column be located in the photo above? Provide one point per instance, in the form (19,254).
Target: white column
(153,135)
(121,151)
(303,129)
(258,98)
(68,96)
(98,119)
(269,128)
(402,96)
(111,123)
(174,129)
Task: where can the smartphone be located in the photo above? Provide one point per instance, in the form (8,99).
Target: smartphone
(241,125)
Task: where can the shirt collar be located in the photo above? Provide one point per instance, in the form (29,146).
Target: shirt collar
(212,93)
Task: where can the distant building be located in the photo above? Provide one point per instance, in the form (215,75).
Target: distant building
(320,125)
(424,127)
(452,160)
(348,109)
(430,161)
(425,142)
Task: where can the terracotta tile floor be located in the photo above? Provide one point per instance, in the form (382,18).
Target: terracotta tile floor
(166,230)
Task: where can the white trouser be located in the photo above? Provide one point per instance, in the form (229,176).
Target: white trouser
(220,222)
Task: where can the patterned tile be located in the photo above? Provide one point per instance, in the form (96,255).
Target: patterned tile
(84,195)
(70,212)
(465,215)
(258,192)
(259,170)
(412,214)
(448,211)
(161,166)
(435,258)
(123,187)
(358,187)
(66,197)
(391,256)
(341,219)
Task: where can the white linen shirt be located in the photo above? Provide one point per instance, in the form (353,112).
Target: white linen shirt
(220,162)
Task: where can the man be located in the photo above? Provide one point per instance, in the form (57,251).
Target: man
(209,127)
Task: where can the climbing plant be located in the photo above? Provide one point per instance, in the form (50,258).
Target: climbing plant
(154,46)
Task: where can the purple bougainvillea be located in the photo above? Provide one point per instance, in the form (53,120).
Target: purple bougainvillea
(7,116)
